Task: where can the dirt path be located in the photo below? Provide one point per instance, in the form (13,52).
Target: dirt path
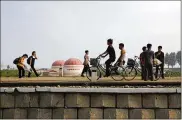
(74,79)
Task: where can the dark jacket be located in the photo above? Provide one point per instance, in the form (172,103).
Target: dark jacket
(148,57)
(33,60)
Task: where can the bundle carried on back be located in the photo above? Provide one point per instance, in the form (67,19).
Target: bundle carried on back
(16,61)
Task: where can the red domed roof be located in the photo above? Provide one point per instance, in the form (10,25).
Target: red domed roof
(58,63)
(73,61)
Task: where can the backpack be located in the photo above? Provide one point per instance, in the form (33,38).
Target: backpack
(16,61)
(28,60)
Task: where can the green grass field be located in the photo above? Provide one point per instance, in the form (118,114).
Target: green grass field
(12,73)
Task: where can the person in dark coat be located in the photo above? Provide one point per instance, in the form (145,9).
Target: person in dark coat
(148,60)
(112,56)
(160,56)
(31,62)
(142,62)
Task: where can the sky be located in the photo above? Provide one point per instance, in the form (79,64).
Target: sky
(59,30)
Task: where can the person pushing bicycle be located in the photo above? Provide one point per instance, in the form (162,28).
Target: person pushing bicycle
(112,56)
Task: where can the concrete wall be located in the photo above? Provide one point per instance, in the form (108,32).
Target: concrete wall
(74,103)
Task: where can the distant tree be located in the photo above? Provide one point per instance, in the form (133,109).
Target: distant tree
(166,61)
(8,67)
(178,57)
(172,59)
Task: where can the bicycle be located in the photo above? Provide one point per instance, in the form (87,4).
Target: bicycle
(132,70)
(116,71)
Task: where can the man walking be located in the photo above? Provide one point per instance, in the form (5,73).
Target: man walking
(160,56)
(31,62)
(148,60)
(86,63)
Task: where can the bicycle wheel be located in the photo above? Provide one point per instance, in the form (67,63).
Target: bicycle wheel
(157,75)
(117,73)
(89,73)
(130,73)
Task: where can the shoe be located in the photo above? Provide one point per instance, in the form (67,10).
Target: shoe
(22,78)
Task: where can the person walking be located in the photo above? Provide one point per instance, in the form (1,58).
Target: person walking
(160,56)
(31,62)
(86,63)
(20,65)
(148,60)
(112,56)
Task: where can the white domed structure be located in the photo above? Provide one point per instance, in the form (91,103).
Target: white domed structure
(72,67)
(56,67)
(58,64)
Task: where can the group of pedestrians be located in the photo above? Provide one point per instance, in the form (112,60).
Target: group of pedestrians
(19,62)
(112,57)
(146,60)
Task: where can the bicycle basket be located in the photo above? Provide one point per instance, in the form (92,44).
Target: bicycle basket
(93,61)
(130,62)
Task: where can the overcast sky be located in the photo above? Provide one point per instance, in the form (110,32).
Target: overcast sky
(59,30)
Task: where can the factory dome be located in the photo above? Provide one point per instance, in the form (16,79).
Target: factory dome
(73,61)
(58,63)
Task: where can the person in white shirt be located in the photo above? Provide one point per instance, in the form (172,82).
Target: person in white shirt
(85,63)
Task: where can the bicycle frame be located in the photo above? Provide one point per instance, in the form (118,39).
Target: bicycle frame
(99,66)
(136,67)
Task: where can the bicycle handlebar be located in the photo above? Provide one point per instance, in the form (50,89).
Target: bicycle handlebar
(136,57)
(98,57)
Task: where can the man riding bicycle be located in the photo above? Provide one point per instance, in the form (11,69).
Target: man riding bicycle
(112,56)
(121,59)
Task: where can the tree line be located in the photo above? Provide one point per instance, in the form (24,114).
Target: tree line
(171,59)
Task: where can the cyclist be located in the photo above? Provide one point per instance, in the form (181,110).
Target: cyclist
(121,59)
(112,56)
(142,62)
